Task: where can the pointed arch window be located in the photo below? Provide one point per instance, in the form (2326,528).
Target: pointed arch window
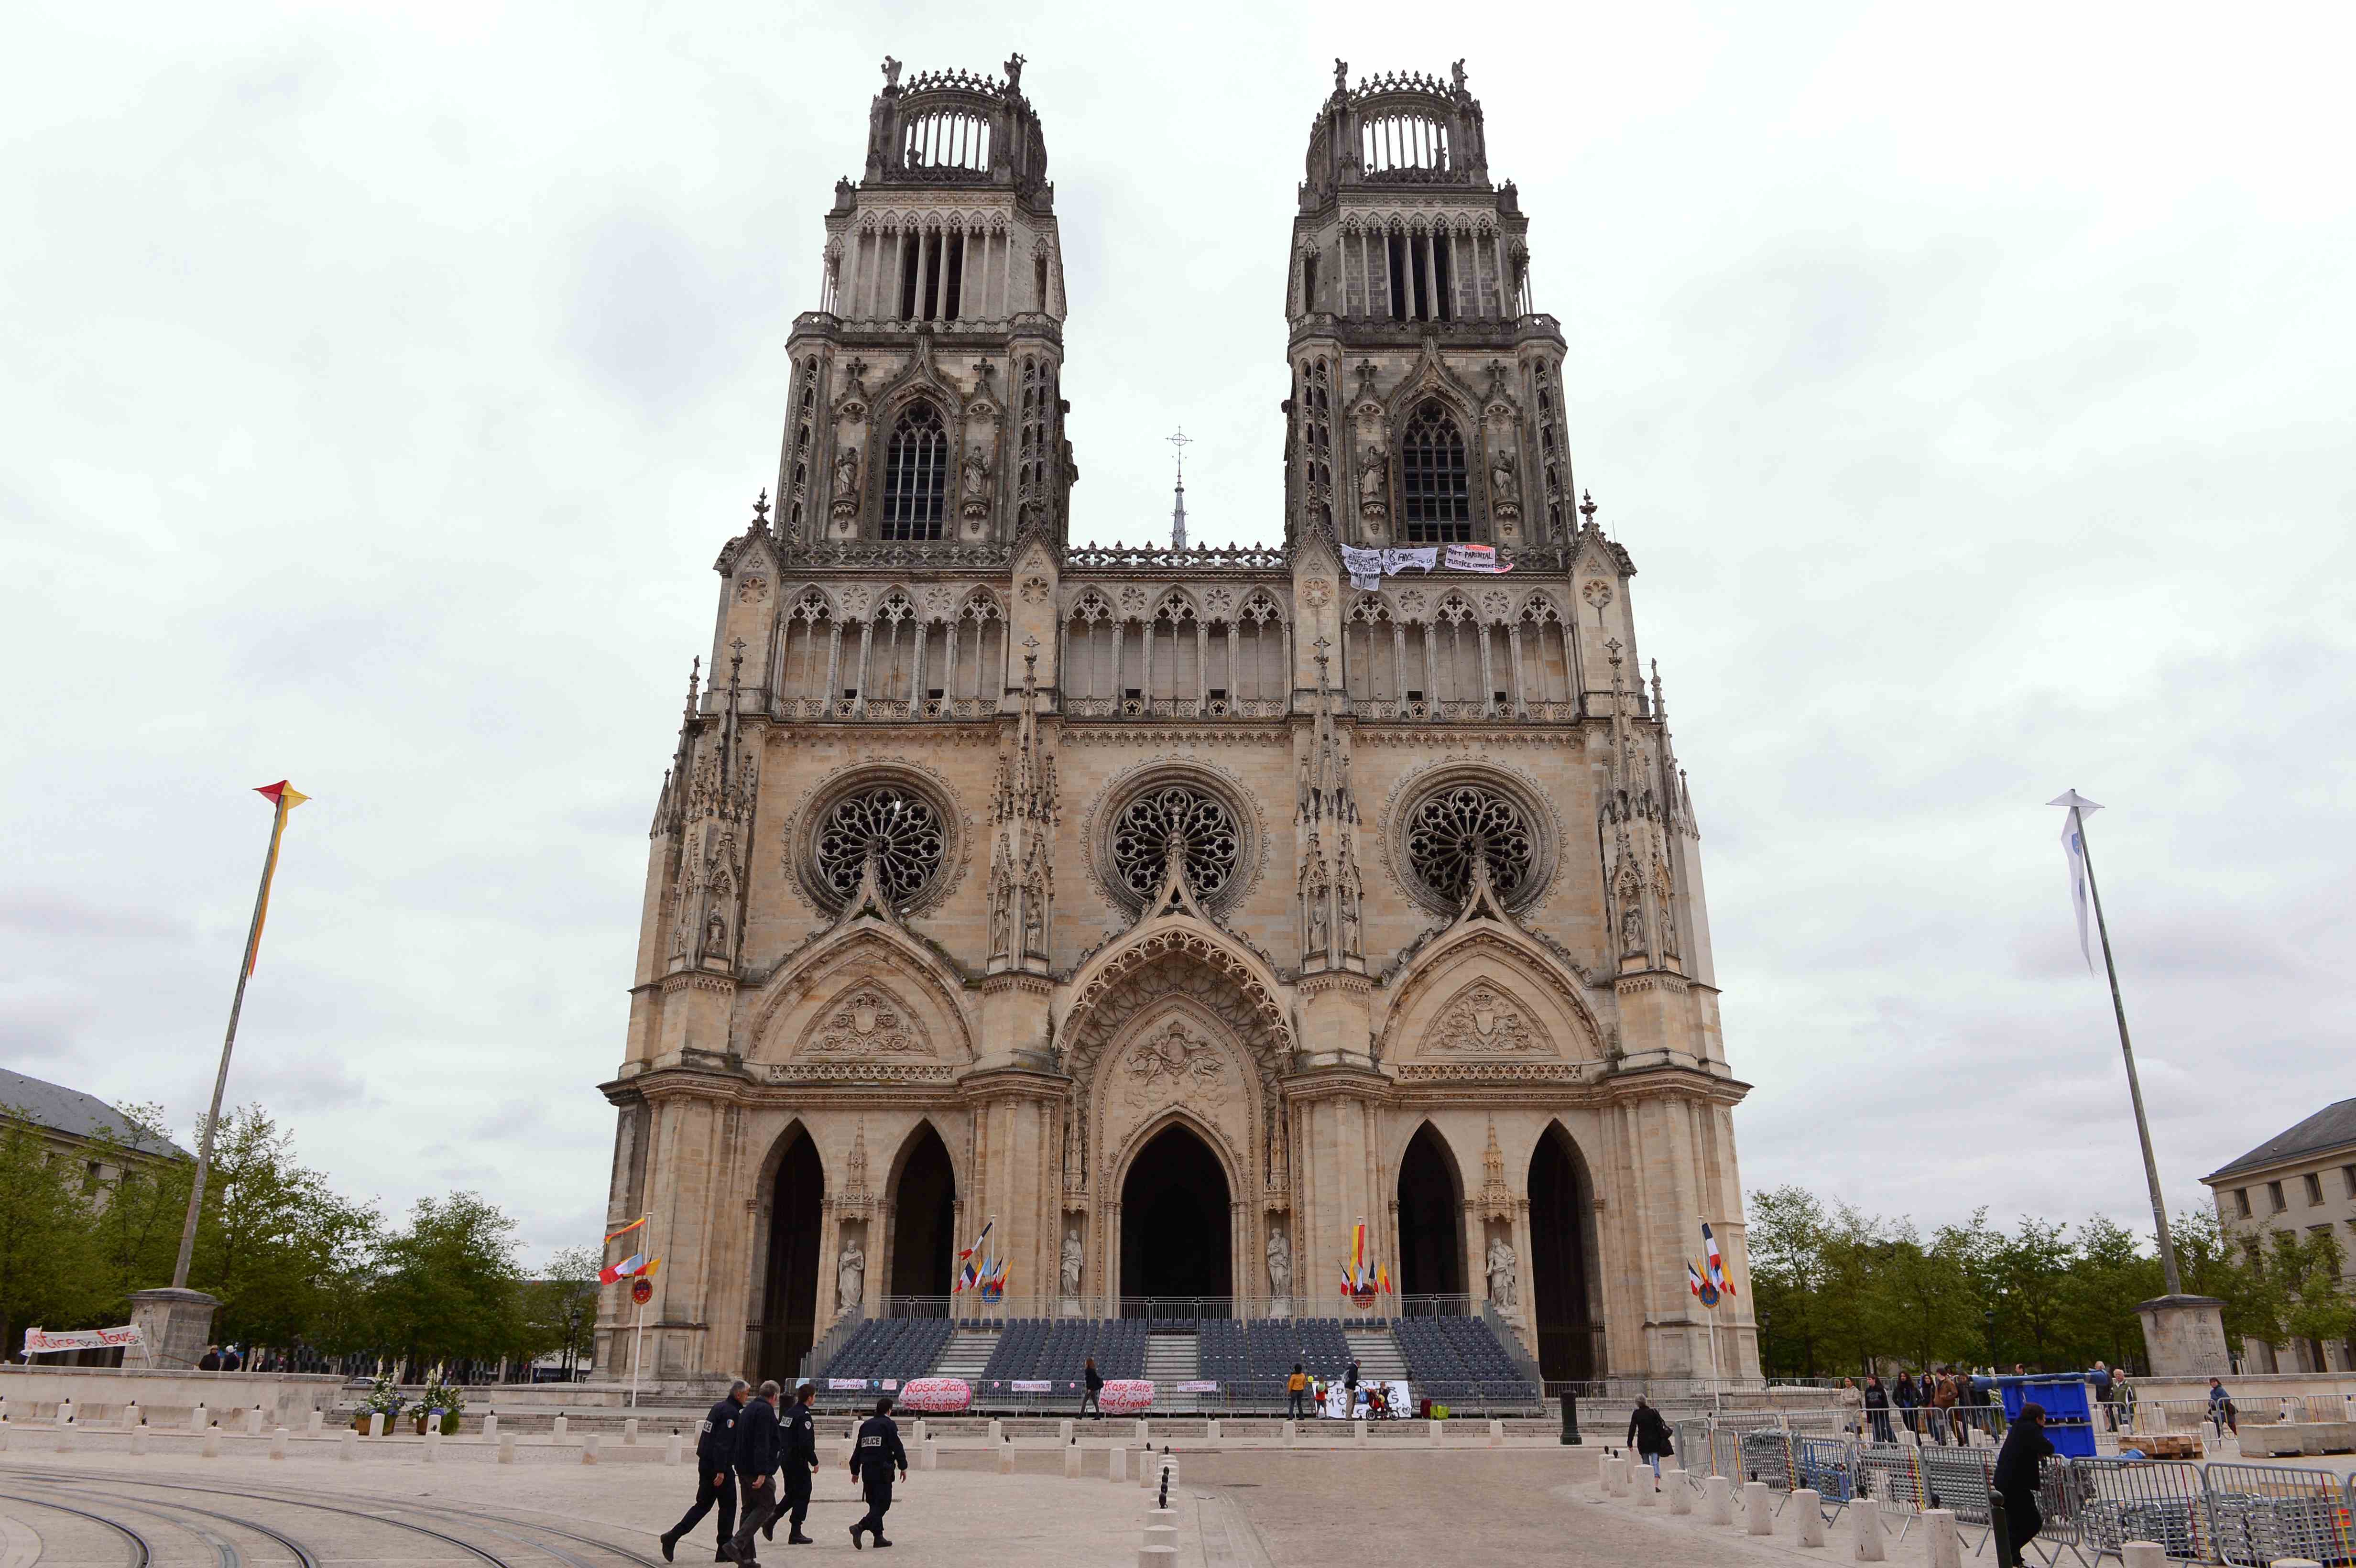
(915,475)
(1439,507)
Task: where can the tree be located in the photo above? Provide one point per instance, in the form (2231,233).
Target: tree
(561,1308)
(448,1289)
(2031,1268)
(49,1267)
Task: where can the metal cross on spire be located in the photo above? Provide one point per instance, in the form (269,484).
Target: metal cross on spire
(1180,442)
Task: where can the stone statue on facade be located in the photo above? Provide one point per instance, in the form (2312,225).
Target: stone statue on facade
(1072,1261)
(849,1276)
(1340,74)
(976,474)
(1632,932)
(846,474)
(1014,73)
(1504,484)
(1280,1264)
(1501,1272)
(890,74)
(715,936)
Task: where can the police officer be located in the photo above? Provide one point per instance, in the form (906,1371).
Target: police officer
(757,1448)
(794,1469)
(715,1455)
(873,1457)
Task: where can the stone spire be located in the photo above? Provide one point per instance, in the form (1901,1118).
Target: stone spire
(712,795)
(1329,887)
(1178,508)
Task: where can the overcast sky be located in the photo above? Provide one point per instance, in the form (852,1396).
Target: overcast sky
(1972,388)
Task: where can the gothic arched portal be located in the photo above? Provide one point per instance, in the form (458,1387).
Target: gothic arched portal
(1560,1263)
(790,1326)
(924,1219)
(1430,1223)
(1177,1235)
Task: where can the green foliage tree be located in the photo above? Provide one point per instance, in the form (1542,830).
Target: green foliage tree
(561,1306)
(50,1276)
(448,1289)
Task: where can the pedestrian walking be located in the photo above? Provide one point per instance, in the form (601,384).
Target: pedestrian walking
(1296,1391)
(2221,1414)
(1092,1385)
(797,1465)
(1350,1388)
(874,1457)
(1908,1398)
(1941,1403)
(715,1474)
(1876,1411)
(759,1445)
(2123,1391)
(1648,1433)
(2017,1481)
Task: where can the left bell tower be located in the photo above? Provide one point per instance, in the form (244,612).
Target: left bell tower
(925,405)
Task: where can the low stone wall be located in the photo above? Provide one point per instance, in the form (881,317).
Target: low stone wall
(165,1398)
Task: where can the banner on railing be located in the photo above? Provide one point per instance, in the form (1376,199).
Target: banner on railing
(1033,1385)
(43,1341)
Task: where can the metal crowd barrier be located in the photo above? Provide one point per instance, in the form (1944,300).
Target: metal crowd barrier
(2233,1515)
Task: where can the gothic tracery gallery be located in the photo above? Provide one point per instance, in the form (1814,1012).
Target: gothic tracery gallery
(1176,909)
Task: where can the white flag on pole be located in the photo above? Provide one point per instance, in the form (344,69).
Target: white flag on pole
(2074,846)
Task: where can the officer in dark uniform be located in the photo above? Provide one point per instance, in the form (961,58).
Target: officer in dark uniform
(757,1447)
(874,1455)
(715,1458)
(795,1468)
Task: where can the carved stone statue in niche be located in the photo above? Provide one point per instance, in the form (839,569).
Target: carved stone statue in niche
(1502,1269)
(1504,484)
(1632,932)
(850,1275)
(1279,1263)
(846,476)
(715,935)
(1374,486)
(1073,1261)
(976,474)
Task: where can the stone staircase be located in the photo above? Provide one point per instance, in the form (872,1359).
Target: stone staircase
(1172,1360)
(1377,1355)
(966,1354)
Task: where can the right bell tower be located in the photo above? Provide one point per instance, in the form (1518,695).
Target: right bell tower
(1427,390)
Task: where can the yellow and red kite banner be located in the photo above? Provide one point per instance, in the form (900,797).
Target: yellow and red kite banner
(284,797)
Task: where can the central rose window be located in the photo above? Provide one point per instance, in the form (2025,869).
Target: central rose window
(1198,822)
(902,828)
(1458,824)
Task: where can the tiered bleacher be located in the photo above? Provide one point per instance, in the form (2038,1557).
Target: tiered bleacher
(1456,1358)
(1254,1358)
(1059,1348)
(895,1349)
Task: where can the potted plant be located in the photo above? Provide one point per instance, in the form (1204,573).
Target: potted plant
(383,1398)
(439,1404)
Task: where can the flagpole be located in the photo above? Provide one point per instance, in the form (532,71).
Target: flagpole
(638,1331)
(220,1077)
(2134,1087)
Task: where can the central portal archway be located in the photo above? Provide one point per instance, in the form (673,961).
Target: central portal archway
(790,1322)
(1430,1227)
(1177,1228)
(923,1219)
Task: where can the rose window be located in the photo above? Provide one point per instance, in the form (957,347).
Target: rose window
(1452,829)
(901,827)
(1182,815)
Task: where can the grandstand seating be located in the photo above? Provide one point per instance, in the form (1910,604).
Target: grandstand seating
(1456,1358)
(1058,1348)
(897,1348)
(1254,1358)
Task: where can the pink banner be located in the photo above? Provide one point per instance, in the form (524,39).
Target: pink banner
(41,1342)
(937,1396)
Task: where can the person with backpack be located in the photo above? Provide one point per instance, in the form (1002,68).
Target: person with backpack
(1648,1433)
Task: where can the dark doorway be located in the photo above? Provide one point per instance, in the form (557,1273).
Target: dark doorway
(924,1219)
(1568,1343)
(1431,1220)
(791,1321)
(1176,1232)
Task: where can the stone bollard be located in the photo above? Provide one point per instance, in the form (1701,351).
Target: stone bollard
(4,1434)
(1810,1505)
(1292,1430)
(1072,1461)
(1117,1463)
(1603,1474)
(65,1413)
(1144,1433)
(1157,1557)
(198,1420)
(433,1448)
(1211,1430)
(65,1439)
(347,1443)
(2143,1554)
(924,1433)
(588,1448)
(1865,1531)
(1680,1490)
(1006,1458)
(1149,1467)
(630,1433)
(376,1423)
(212,1443)
(1358,1431)
(253,1422)
(506,1448)
(1648,1490)
(1497,1433)
(1436,1432)
(842,1450)
(928,1454)
(1942,1547)
(1161,1527)
(278,1442)
(997,1430)
(1065,1430)
(131,1416)
(1759,1508)
(314,1421)
(557,1428)
(138,1439)
(671,1449)
(2296,1562)
(1718,1499)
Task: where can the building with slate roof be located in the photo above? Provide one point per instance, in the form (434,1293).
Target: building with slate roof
(2301,1180)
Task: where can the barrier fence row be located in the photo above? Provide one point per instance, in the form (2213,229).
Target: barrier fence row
(2242,1515)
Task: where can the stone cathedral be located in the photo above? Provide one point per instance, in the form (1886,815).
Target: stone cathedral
(1173,911)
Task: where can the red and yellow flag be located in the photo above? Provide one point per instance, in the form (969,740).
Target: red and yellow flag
(283,797)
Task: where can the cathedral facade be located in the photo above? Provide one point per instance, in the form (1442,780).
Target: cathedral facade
(1172,911)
